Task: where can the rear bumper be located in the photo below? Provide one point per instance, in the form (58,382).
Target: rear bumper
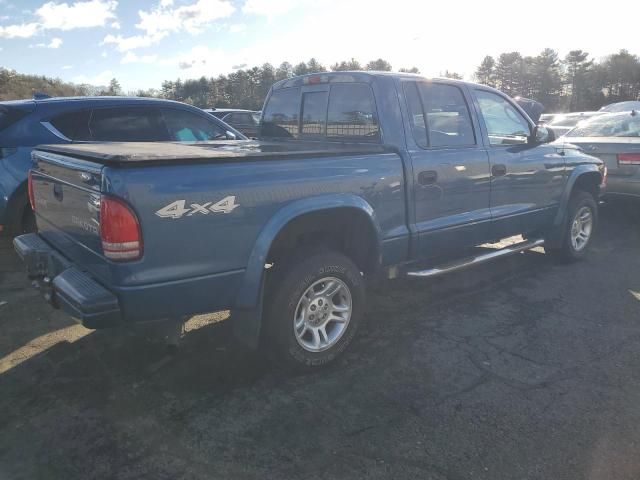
(64,286)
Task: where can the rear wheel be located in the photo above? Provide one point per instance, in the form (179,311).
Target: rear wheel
(577,229)
(314,308)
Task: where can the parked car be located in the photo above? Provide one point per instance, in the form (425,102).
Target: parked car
(247,121)
(614,138)
(348,183)
(27,123)
(562,123)
(621,107)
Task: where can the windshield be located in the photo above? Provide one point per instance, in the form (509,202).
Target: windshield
(614,125)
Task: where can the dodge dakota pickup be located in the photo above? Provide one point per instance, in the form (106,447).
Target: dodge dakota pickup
(355,176)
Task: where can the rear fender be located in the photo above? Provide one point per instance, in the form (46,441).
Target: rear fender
(248,294)
(247,314)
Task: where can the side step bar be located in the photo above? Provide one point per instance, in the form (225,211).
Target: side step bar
(470,261)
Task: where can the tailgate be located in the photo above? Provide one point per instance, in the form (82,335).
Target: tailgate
(67,201)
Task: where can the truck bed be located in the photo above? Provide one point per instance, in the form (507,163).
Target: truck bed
(135,153)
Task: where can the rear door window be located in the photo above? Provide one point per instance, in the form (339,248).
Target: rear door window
(281,117)
(127,124)
(448,119)
(184,126)
(352,113)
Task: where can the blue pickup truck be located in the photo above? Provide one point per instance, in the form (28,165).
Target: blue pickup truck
(356,176)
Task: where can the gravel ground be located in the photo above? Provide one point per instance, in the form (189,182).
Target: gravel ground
(519,369)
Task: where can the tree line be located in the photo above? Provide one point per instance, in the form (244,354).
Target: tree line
(573,83)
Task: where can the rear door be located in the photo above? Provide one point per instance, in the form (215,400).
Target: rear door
(527,179)
(450,168)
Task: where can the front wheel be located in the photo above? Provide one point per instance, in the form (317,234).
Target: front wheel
(577,229)
(315,305)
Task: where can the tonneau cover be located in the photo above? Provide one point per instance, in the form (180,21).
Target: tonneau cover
(134,153)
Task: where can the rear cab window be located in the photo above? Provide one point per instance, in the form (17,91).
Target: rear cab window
(352,113)
(280,118)
(340,112)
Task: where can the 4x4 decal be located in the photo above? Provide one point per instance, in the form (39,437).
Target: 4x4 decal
(177,209)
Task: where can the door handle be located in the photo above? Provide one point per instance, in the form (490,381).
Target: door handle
(498,170)
(57,191)
(427,177)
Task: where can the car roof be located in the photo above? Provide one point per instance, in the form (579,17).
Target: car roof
(112,100)
(365,76)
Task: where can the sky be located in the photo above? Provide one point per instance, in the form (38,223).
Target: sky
(142,43)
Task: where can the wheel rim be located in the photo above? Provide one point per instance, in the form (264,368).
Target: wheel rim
(581,229)
(322,314)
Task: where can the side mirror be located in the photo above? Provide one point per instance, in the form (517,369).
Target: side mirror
(230,135)
(543,134)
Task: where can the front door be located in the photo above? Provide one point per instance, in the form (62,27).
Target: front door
(450,169)
(527,178)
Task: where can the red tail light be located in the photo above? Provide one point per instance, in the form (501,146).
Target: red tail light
(32,199)
(629,159)
(119,230)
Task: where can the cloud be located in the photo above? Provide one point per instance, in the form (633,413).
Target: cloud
(192,18)
(124,44)
(268,8)
(115,25)
(237,28)
(239,66)
(102,78)
(166,19)
(64,16)
(55,43)
(131,57)
(91,13)
(25,30)
(201,60)
(67,67)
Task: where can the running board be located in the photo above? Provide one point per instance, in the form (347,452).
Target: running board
(470,261)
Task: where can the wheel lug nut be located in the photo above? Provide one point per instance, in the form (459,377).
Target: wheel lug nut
(320,302)
(313,307)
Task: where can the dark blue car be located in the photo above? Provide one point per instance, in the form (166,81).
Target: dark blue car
(27,123)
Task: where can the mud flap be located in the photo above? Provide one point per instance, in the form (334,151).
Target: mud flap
(247,323)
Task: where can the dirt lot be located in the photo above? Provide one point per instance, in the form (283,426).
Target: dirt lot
(521,369)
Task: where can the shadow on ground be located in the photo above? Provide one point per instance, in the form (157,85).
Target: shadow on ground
(516,369)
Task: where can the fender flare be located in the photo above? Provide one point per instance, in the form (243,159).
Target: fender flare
(247,296)
(578,171)
(247,314)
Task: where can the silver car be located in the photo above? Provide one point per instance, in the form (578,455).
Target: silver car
(561,123)
(614,138)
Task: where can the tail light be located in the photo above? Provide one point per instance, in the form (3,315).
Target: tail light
(32,199)
(119,230)
(629,159)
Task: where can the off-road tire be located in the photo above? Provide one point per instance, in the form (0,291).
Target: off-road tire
(286,286)
(566,251)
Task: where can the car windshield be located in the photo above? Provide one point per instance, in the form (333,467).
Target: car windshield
(567,120)
(614,125)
